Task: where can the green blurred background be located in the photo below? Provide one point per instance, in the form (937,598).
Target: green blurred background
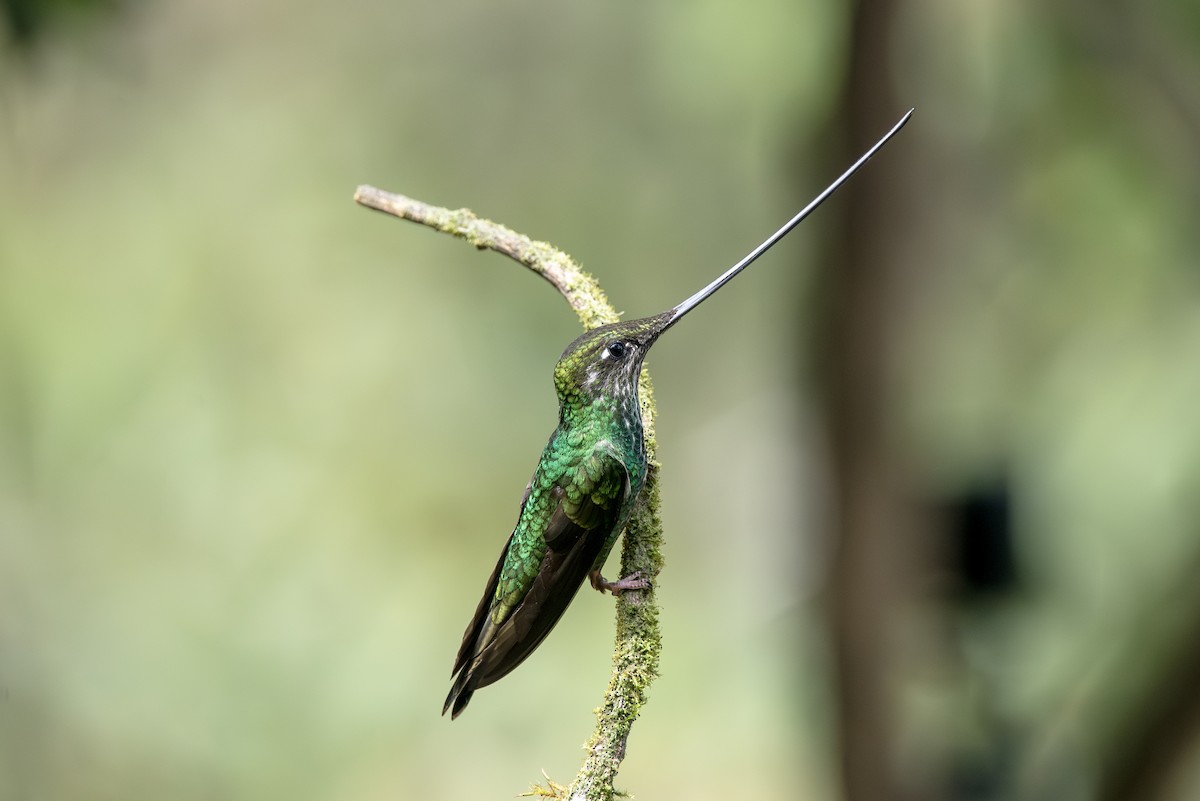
(259,447)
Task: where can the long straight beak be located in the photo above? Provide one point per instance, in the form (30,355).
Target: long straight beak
(698,298)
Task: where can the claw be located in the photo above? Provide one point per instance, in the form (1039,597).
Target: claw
(634,581)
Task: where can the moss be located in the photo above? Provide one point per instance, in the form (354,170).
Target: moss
(639,639)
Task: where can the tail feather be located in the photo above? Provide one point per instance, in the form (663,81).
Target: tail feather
(460,693)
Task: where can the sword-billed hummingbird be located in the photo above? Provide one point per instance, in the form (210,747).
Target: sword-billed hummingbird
(584,487)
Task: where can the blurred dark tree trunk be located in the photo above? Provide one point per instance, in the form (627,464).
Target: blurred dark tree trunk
(855,357)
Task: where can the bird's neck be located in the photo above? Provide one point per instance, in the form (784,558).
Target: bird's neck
(615,416)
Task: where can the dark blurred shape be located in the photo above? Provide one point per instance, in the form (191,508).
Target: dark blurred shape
(983,776)
(22,17)
(981,559)
(27,20)
(982,547)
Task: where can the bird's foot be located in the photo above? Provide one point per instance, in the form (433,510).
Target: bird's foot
(634,581)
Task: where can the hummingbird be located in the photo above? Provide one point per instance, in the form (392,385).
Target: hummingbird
(584,487)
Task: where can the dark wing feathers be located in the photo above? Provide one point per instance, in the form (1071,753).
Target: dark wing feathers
(586,507)
(569,556)
(466,650)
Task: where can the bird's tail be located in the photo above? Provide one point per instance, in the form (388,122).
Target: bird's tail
(461,692)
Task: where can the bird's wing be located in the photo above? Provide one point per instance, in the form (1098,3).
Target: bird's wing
(584,506)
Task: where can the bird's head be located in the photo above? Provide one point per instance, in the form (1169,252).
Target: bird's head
(606,361)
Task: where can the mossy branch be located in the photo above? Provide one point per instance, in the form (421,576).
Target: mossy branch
(638,641)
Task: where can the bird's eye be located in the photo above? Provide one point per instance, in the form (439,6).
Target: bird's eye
(616,350)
